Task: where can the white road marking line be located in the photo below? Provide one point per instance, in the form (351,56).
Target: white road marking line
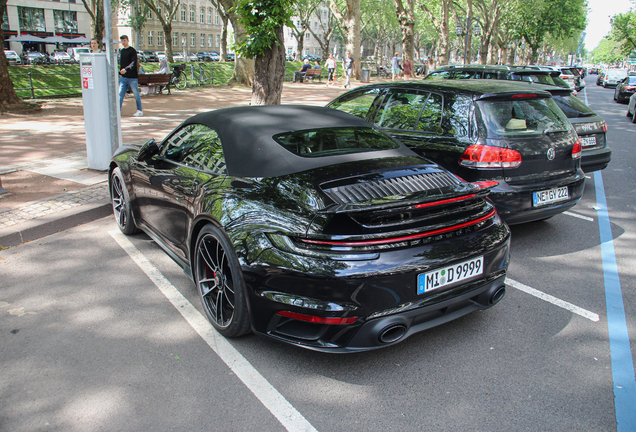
(276,403)
(576,215)
(551,299)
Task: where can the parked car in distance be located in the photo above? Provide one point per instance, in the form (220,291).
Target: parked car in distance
(590,127)
(60,57)
(612,77)
(334,237)
(192,57)
(141,57)
(76,51)
(625,89)
(178,57)
(230,56)
(214,56)
(484,130)
(160,54)
(36,58)
(150,56)
(631,108)
(12,57)
(496,72)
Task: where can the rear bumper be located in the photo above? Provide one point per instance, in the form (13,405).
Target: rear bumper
(596,159)
(514,203)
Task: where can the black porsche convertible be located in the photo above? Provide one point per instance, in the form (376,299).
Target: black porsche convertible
(310,226)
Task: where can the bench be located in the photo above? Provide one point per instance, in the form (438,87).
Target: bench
(314,74)
(154,81)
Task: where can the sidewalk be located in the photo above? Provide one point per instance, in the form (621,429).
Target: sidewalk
(43,156)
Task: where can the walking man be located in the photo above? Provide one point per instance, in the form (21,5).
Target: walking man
(349,68)
(395,67)
(128,74)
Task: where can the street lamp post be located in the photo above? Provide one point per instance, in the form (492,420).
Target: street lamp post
(459,31)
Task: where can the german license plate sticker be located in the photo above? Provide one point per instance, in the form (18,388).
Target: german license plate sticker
(449,275)
(588,141)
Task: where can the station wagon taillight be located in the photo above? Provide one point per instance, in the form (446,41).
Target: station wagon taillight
(484,156)
(604,127)
(576,150)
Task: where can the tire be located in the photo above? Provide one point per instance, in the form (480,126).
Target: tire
(634,116)
(219,281)
(121,203)
(180,81)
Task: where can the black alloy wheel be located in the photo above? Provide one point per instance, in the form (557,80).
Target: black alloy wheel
(220,283)
(121,203)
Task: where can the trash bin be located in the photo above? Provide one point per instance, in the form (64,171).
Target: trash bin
(366,76)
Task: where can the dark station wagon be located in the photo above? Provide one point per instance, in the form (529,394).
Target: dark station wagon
(484,131)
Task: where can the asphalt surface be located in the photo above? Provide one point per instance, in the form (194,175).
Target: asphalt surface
(92,342)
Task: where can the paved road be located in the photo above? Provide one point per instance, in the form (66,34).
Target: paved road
(90,341)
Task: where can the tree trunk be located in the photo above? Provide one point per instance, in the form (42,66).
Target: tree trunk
(441,25)
(9,100)
(269,73)
(406,18)
(223,53)
(167,39)
(300,43)
(350,23)
(243,67)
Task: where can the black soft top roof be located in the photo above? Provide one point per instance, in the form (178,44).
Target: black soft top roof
(250,151)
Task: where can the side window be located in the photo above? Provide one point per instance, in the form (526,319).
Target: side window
(197,146)
(357,104)
(438,75)
(401,109)
(464,74)
(457,116)
(489,75)
(431,118)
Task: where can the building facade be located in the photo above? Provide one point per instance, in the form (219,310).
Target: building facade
(197,27)
(44,18)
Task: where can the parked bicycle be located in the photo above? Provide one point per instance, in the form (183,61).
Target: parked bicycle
(200,77)
(178,78)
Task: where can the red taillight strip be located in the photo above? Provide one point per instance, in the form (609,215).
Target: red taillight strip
(317,319)
(524,96)
(403,238)
(446,201)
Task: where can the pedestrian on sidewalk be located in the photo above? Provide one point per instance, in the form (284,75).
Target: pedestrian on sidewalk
(128,75)
(395,67)
(349,67)
(407,68)
(330,64)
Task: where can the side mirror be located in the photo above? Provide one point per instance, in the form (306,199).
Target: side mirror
(148,150)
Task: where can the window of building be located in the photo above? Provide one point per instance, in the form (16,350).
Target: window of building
(160,38)
(193,39)
(158,11)
(31,19)
(202,40)
(217,18)
(209,15)
(175,39)
(150,42)
(210,41)
(149,14)
(184,39)
(192,14)
(65,21)
(202,15)
(308,36)
(5,21)
(184,10)
(218,41)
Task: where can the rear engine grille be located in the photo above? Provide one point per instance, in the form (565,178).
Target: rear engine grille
(366,191)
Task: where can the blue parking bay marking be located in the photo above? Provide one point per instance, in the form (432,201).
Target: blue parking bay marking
(620,349)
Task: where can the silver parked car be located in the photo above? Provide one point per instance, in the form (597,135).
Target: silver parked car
(12,57)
